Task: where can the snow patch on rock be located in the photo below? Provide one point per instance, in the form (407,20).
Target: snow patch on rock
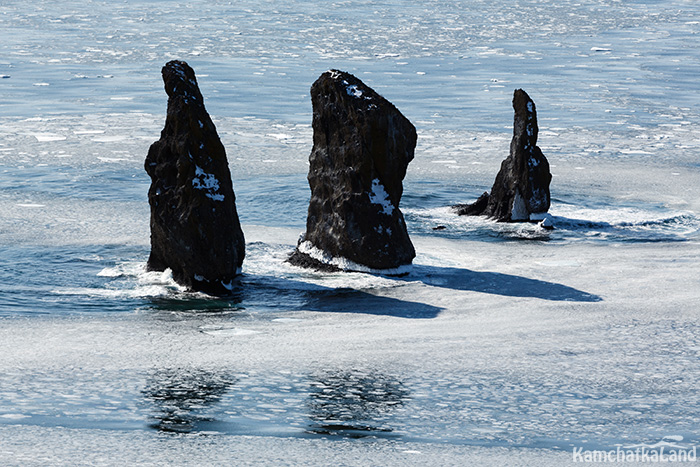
(379,196)
(207,182)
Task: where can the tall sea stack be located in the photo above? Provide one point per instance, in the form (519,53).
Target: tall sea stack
(194,223)
(521,189)
(362,147)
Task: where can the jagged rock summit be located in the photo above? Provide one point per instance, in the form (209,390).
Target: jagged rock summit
(195,229)
(521,189)
(361,149)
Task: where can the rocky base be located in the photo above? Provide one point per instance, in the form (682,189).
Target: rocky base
(303,260)
(308,256)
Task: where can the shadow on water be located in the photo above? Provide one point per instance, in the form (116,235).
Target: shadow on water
(199,304)
(281,294)
(354,404)
(275,294)
(497,283)
(180,396)
(356,301)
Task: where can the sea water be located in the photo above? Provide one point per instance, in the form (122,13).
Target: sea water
(505,342)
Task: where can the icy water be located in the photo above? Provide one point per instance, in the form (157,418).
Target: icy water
(507,344)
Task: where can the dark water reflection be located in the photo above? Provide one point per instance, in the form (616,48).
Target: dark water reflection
(181,397)
(344,403)
(353,403)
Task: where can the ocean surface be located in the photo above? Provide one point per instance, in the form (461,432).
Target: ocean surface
(507,343)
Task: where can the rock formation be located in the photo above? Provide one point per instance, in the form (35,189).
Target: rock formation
(361,148)
(194,224)
(521,189)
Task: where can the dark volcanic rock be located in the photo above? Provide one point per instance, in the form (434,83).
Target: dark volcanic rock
(521,188)
(362,147)
(476,208)
(194,224)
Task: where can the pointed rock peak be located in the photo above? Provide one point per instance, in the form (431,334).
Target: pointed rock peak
(525,120)
(350,86)
(525,110)
(180,80)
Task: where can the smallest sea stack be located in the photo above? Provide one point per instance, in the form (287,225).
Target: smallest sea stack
(195,229)
(521,189)
(362,147)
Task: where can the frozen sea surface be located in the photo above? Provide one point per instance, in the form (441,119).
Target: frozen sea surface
(506,345)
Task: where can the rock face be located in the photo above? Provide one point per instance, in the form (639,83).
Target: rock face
(521,189)
(362,147)
(194,223)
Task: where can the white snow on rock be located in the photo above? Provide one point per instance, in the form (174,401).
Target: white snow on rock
(207,182)
(379,196)
(355,91)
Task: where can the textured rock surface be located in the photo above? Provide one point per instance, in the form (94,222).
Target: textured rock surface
(521,188)
(194,223)
(362,147)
